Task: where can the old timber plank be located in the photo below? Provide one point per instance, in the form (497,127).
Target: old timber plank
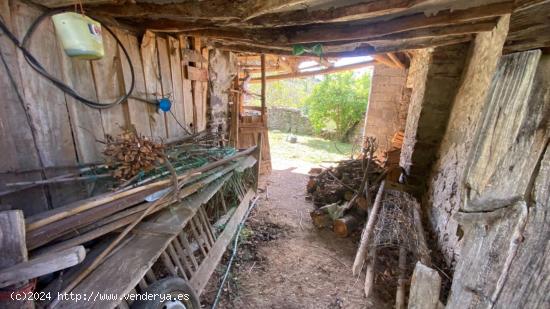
(16,140)
(86,122)
(187,88)
(177,82)
(153,86)
(528,280)
(199,100)
(46,103)
(109,84)
(196,74)
(509,141)
(167,86)
(137,110)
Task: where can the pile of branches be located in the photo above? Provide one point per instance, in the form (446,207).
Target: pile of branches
(129,154)
(340,183)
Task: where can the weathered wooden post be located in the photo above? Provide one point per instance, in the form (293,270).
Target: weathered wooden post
(14,251)
(257,154)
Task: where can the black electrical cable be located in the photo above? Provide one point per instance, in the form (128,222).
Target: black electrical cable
(176,119)
(35,64)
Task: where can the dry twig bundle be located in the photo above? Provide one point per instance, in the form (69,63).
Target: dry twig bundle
(130,153)
(341,182)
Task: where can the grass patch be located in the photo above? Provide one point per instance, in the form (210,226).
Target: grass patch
(307,148)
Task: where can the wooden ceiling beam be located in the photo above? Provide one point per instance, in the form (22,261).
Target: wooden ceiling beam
(211,10)
(326,33)
(335,47)
(345,13)
(64,3)
(387,47)
(482,25)
(338,33)
(262,7)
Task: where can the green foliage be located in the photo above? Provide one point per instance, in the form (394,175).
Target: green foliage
(340,101)
(285,93)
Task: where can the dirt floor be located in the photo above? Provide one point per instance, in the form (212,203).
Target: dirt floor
(283,260)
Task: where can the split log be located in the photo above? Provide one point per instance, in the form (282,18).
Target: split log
(344,226)
(361,203)
(367,231)
(311,185)
(320,219)
(425,286)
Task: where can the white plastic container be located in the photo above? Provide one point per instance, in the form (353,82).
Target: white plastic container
(80,35)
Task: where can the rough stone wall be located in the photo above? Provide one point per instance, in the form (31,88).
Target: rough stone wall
(437,75)
(288,120)
(222,70)
(416,80)
(388,104)
(445,187)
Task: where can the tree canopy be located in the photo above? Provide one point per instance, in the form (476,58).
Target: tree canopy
(339,100)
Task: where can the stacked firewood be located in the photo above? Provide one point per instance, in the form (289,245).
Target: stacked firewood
(340,183)
(364,194)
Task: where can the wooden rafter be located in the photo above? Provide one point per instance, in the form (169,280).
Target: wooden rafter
(396,60)
(417,21)
(263,7)
(319,72)
(337,33)
(345,13)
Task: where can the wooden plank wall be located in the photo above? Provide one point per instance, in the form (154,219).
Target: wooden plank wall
(42,129)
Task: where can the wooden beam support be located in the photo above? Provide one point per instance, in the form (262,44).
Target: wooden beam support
(42,265)
(263,80)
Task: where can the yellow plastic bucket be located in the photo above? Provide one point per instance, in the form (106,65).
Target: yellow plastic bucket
(80,35)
